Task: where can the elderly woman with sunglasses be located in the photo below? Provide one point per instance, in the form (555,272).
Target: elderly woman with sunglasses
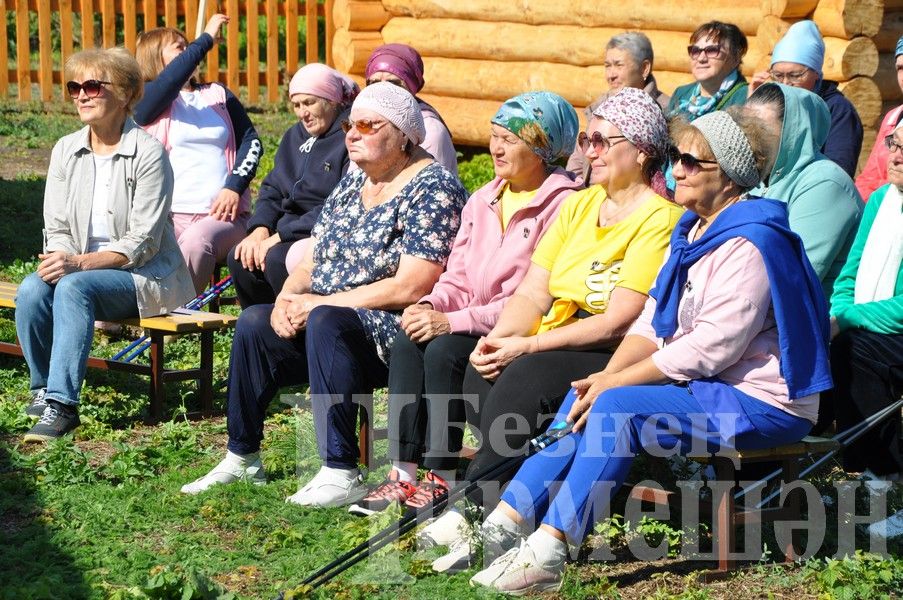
(731,351)
(500,227)
(379,245)
(109,248)
(588,281)
(310,161)
(716,50)
(401,65)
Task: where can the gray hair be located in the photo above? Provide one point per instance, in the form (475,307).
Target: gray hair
(634,43)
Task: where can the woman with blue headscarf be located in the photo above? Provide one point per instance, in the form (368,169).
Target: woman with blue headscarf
(500,226)
(588,281)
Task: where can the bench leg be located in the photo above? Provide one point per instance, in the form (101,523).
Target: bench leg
(723,520)
(790,473)
(205,383)
(365,436)
(157,385)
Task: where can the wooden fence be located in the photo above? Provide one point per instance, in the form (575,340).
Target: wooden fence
(119,25)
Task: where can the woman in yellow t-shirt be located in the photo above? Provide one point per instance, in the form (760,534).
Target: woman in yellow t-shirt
(587,283)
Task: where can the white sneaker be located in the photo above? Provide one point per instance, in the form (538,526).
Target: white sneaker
(229,470)
(890,527)
(460,557)
(519,572)
(488,575)
(448,529)
(331,487)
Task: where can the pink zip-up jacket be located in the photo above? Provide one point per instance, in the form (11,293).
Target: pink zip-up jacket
(874,173)
(485,265)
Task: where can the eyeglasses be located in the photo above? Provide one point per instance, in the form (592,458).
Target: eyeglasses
(791,78)
(91,87)
(599,142)
(391,80)
(713,51)
(892,144)
(690,163)
(364,126)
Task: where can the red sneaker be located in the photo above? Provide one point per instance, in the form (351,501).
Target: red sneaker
(379,498)
(431,491)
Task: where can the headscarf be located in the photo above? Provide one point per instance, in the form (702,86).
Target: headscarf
(396,105)
(545,121)
(324,82)
(730,147)
(899,49)
(400,60)
(697,104)
(802,44)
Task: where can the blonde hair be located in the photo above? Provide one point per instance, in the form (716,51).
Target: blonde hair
(115,65)
(149,50)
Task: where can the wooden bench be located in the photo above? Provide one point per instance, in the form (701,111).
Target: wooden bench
(726,515)
(179,322)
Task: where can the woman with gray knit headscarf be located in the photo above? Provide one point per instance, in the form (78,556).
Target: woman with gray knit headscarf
(380,243)
(735,331)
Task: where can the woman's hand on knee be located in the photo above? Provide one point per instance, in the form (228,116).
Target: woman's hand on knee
(260,251)
(425,325)
(281,324)
(245,249)
(298,307)
(225,207)
(588,390)
(56,264)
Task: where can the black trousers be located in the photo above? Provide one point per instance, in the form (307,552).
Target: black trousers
(518,406)
(426,406)
(260,287)
(868,375)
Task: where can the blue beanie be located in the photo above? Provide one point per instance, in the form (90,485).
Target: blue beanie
(899,47)
(802,44)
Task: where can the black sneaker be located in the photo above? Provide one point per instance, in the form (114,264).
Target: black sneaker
(38,404)
(58,420)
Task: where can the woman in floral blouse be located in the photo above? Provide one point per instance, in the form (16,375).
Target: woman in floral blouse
(379,245)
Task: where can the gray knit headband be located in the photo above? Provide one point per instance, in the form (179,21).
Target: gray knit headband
(730,147)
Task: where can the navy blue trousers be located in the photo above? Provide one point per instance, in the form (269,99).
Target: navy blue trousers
(332,354)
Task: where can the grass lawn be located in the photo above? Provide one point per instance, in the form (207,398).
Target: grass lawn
(99,515)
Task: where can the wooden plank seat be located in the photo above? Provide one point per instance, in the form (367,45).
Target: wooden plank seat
(727,515)
(178,322)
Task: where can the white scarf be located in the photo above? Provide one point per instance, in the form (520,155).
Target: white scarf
(883,252)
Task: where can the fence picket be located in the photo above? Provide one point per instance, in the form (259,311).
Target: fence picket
(23,57)
(65,41)
(253,59)
(45,46)
(4,53)
(87,11)
(272,75)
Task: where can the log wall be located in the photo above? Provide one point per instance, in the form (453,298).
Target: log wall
(478,53)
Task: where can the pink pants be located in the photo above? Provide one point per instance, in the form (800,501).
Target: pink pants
(205,242)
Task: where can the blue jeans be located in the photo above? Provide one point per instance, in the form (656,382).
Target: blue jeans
(55,324)
(565,484)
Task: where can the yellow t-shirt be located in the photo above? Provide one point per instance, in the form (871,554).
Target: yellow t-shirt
(587,261)
(513,202)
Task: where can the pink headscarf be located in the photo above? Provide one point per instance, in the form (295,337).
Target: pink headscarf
(400,60)
(324,82)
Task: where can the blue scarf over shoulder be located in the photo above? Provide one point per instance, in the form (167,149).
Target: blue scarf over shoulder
(800,308)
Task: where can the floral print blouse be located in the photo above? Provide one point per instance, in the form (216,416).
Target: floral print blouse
(356,246)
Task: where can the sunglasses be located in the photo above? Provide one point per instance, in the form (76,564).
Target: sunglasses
(599,142)
(713,51)
(364,126)
(791,78)
(690,163)
(91,88)
(892,144)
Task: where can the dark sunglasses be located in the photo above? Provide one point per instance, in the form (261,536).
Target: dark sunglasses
(364,126)
(690,163)
(91,87)
(599,142)
(892,144)
(713,51)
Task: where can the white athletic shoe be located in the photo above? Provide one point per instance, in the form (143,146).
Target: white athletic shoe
(331,487)
(890,527)
(461,556)
(448,529)
(488,575)
(229,470)
(519,572)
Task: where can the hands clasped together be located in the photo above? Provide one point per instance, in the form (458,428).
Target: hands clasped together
(291,311)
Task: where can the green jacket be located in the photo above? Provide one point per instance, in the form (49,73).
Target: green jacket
(734,96)
(882,316)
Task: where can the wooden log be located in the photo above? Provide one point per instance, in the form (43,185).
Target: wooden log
(845,59)
(864,95)
(770,31)
(891,30)
(886,78)
(581,46)
(352,49)
(893,5)
(788,9)
(848,18)
(330,31)
(359,15)
(678,15)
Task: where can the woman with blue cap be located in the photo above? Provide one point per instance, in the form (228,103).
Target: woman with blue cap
(797,61)
(874,173)
(500,226)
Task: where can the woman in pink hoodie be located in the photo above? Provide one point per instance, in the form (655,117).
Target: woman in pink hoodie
(500,226)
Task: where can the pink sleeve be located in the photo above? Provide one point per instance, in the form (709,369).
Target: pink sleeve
(735,301)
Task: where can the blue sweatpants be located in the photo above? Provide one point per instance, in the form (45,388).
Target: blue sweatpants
(565,484)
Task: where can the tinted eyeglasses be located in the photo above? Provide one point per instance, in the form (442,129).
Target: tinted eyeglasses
(690,163)
(364,126)
(713,51)
(599,142)
(91,87)
(892,144)
(791,78)
(391,80)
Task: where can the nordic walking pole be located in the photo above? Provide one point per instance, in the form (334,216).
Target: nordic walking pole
(409,522)
(202,18)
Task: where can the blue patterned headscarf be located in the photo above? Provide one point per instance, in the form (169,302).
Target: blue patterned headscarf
(899,50)
(545,121)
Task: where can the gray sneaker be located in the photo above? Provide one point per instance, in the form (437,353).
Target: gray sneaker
(58,420)
(38,404)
